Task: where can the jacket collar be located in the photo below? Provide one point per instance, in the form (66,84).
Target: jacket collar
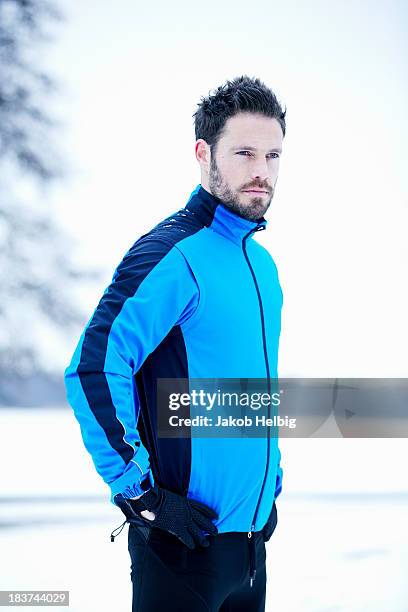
(212,213)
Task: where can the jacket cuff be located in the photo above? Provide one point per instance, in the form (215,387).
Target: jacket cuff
(136,479)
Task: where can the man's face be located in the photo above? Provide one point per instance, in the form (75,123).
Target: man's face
(244,170)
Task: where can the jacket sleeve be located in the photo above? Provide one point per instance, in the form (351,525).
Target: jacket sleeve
(152,290)
(279,475)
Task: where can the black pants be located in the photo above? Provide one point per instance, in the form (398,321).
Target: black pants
(166,575)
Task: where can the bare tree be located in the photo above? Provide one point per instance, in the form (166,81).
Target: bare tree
(36,273)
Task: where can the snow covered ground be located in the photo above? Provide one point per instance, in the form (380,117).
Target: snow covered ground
(341,544)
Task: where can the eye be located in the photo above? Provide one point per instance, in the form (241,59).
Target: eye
(272,155)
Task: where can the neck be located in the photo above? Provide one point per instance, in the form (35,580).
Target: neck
(212,213)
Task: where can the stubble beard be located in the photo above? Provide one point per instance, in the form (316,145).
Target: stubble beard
(230,199)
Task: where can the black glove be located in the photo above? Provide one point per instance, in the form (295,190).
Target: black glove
(271,523)
(185,518)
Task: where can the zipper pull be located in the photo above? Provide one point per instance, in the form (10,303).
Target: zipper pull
(252,570)
(112,537)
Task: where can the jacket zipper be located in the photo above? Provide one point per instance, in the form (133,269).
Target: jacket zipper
(251,542)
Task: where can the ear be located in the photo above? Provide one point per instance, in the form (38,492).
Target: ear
(202,153)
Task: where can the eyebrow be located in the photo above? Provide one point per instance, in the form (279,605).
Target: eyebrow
(276,150)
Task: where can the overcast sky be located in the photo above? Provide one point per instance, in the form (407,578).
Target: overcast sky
(132,75)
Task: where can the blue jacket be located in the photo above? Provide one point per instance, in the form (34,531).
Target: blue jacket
(195,297)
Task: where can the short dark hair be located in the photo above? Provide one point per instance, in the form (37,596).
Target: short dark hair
(242,94)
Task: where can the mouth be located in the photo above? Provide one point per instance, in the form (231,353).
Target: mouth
(254,191)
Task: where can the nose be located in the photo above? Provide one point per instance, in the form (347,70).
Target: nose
(259,170)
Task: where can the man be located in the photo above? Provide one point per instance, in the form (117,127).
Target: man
(195,298)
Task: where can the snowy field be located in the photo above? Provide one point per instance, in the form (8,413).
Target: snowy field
(341,544)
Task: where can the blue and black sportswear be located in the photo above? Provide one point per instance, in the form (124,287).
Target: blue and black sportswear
(195,297)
